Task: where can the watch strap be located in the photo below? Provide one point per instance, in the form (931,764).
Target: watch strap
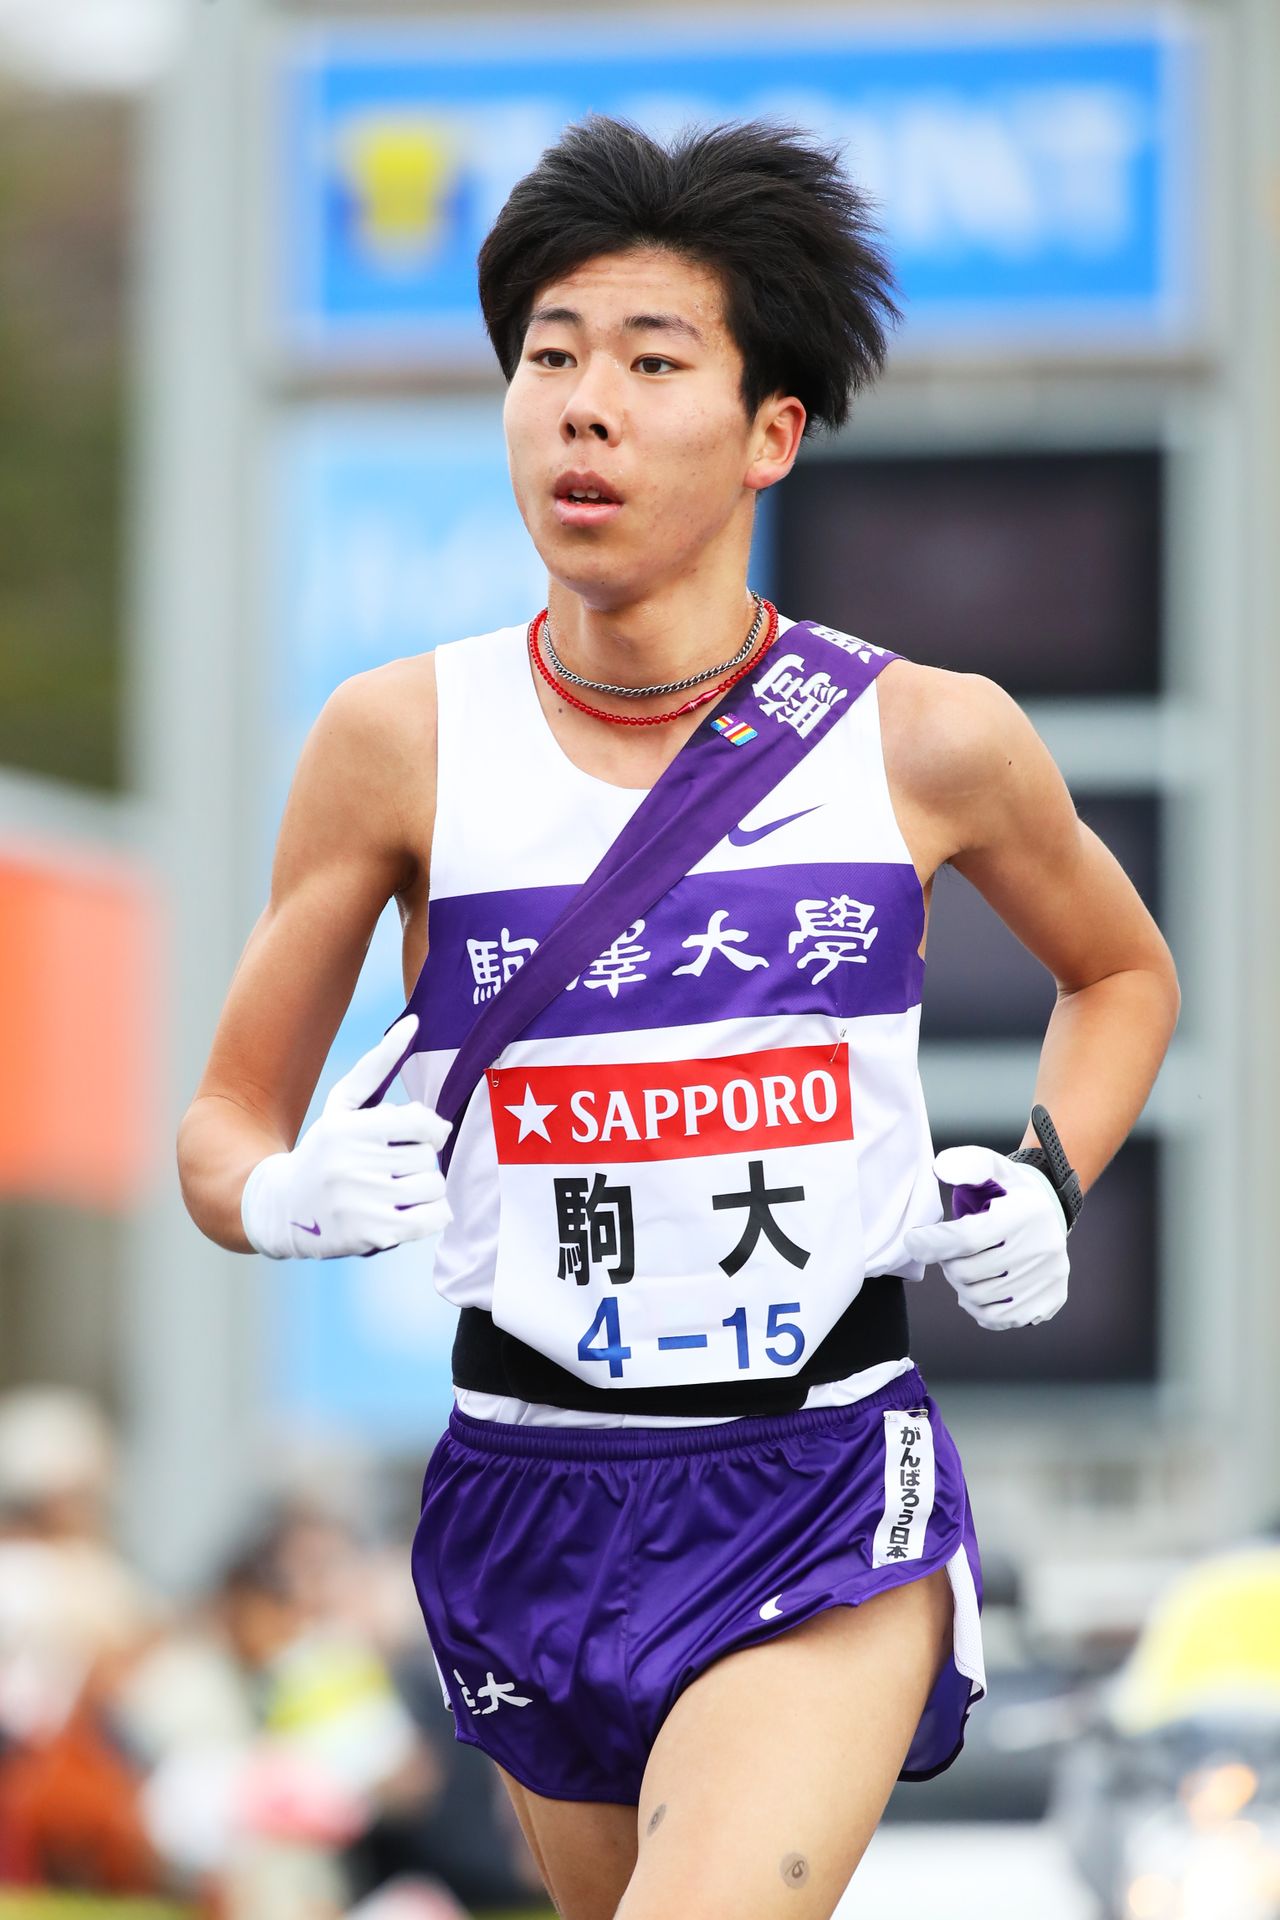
(1050,1159)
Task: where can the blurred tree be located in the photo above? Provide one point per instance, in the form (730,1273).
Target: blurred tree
(64,231)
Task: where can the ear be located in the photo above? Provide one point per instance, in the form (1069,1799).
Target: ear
(776,434)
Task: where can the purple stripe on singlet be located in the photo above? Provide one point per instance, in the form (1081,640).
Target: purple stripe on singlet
(833,937)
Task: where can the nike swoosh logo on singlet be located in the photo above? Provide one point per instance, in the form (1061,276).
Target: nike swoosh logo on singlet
(304,1226)
(747,836)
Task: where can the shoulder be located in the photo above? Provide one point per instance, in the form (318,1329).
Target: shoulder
(394,708)
(365,780)
(377,732)
(384,716)
(946,728)
(958,749)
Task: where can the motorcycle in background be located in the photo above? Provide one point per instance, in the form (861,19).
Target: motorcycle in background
(1167,1785)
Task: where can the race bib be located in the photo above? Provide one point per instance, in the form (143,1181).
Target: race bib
(677,1221)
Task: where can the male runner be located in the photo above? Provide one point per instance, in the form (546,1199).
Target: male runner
(695,1556)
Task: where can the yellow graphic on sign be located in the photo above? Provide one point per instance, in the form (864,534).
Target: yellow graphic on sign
(399,168)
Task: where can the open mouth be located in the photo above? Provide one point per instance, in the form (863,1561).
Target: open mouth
(584,500)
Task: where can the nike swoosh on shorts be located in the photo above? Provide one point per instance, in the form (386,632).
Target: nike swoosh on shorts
(304,1226)
(747,836)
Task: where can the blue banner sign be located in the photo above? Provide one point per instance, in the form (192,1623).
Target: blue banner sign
(1036,177)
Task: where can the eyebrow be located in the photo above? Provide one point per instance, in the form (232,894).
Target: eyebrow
(662,323)
(634,323)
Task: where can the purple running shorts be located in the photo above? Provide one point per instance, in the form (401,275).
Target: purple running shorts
(575,1580)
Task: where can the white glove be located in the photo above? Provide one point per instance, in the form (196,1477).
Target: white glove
(1006,1252)
(361,1179)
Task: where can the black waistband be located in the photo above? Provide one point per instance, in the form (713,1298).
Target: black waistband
(872,1329)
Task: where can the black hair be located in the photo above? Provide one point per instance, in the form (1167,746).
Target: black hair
(808,289)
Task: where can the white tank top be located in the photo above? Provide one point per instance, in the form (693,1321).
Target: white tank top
(685,1168)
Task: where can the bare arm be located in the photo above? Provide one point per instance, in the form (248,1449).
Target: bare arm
(345,848)
(983,792)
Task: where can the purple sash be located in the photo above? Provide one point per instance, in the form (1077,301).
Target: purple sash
(747,744)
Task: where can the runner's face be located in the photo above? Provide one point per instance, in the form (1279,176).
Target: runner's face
(629,385)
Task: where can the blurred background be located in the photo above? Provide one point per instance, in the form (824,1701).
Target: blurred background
(250,444)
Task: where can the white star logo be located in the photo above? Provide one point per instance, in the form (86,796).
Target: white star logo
(532,1116)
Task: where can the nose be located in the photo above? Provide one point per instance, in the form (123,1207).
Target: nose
(592,411)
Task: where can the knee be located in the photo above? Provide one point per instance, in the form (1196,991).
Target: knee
(738,1882)
(666,1902)
(662,1904)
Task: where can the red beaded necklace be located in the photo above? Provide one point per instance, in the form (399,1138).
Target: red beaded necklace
(649,719)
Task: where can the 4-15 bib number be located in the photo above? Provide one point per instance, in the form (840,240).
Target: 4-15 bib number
(784,1339)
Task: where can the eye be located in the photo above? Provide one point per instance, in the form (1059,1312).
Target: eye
(654,363)
(554,358)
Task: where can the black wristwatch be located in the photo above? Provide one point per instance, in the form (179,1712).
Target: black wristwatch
(1051,1160)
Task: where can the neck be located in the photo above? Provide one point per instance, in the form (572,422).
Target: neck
(666,636)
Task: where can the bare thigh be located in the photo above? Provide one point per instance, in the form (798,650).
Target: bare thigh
(585,1849)
(770,1774)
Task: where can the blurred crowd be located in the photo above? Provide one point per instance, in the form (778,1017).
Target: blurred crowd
(273,1748)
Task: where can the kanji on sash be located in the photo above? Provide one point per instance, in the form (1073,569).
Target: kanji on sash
(758,1200)
(791,693)
(849,643)
(721,939)
(595,1224)
(494,961)
(619,965)
(840,929)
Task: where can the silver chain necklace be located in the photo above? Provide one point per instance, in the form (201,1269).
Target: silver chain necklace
(670,686)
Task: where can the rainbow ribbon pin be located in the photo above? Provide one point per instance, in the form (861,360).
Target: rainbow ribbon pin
(736,732)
